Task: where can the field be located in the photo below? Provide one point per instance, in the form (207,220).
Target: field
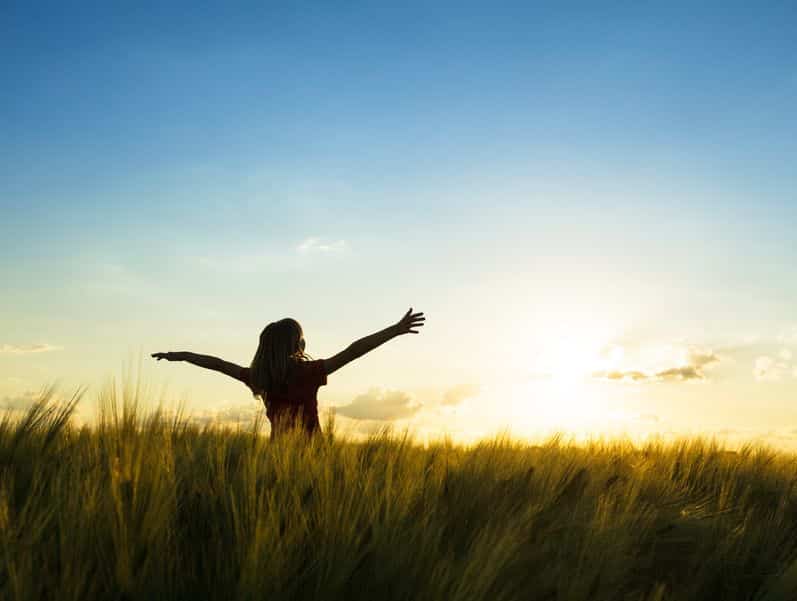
(145,506)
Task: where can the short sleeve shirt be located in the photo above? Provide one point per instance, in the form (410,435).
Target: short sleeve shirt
(297,402)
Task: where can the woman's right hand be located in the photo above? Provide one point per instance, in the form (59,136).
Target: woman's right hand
(168,356)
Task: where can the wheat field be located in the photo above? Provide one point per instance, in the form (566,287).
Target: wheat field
(145,505)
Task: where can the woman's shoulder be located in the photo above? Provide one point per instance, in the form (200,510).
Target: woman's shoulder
(312,371)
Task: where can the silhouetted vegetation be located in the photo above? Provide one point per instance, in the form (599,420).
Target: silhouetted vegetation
(152,507)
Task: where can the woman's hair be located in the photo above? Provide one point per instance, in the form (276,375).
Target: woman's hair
(281,347)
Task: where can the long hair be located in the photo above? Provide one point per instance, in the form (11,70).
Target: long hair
(281,347)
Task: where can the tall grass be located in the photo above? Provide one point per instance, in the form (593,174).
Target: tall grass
(145,506)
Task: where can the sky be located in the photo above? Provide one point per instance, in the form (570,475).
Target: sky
(593,203)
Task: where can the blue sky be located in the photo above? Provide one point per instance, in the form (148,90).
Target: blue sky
(179,176)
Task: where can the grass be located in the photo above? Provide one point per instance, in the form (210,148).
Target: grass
(145,506)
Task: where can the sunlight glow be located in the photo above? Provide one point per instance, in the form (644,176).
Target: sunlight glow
(572,353)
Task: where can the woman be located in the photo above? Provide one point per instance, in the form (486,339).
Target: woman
(285,378)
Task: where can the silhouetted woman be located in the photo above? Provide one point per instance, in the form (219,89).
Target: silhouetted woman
(285,378)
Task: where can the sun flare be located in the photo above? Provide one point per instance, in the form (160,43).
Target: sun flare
(572,355)
(560,391)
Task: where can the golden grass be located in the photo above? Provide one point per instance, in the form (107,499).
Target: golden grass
(144,506)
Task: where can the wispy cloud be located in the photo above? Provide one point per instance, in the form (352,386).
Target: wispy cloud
(320,245)
(457,394)
(788,335)
(12,349)
(254,260)
(773,369)
(227,416)
(649,418)
(19,402)
(694,368)
(383,405)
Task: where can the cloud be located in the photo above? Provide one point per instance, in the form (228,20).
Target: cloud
(378,404)
(276,260)
(683,373)
(20,402)
(12,349)
(612,353)
(700,359)
(697,361)
(789,336)
(454,396)
(319,245)
(687,372)
(767,369)
(634,376)
(231,415)
(650,418)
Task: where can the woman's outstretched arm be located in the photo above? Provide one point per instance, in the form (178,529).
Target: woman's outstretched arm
(408,324)
(206,361)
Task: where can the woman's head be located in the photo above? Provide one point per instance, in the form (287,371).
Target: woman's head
(281,345)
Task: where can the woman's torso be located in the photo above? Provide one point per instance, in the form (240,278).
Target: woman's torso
(297,402)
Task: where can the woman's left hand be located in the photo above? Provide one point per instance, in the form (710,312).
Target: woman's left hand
(410,323)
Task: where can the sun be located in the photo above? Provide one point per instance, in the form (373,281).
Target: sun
(570,360)
(562,391)
(570,357)
(559,355)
